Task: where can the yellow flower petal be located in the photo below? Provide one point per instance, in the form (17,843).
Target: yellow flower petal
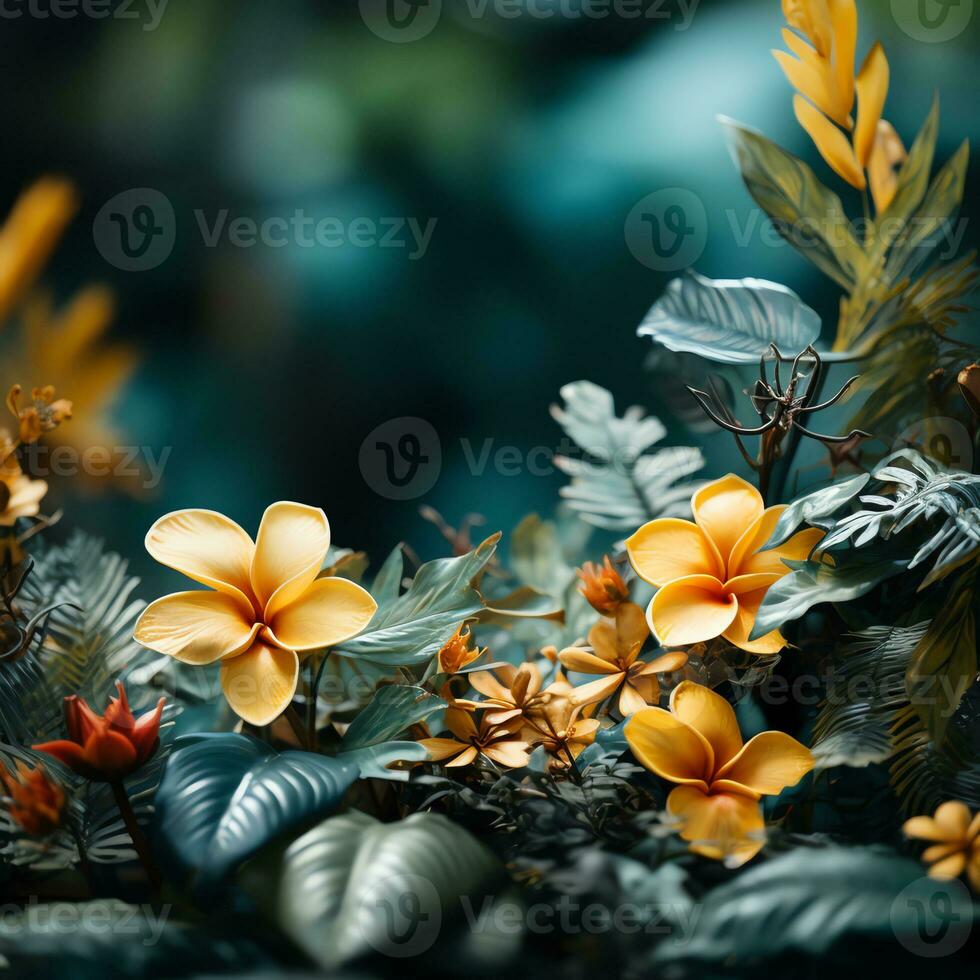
(488,685)
(751,590)
(809,80)
(724,509)
(603,640)
(290,547)
(886,154)
(953,819)
(596,690)
(510,754)
(812,18)
(632,630)
(460,723)
(260,683)
(669,548)
(843,19)
(670,748)
(206,547)
(720,826)
(830,141)
(664,664)
(196,627)
(923,828)
(330,611)
(949,868)
(709,714)
(441,748)
(25,499)
(464,758)
(767,764)
(586,663)
(630,700)
(691,610)
(939,851)
(872,89)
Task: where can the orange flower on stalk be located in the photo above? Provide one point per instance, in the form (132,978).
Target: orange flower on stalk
(109,747)
(955,838)
(268,608)
(36,801)
(502,744)
(697,744)
(602,586)
(456,653)
(710,575)
(615,655)
(44,414)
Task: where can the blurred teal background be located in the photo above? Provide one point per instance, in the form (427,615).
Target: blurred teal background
(529,139)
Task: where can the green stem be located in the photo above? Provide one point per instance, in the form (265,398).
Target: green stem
(133,827)
(780,472)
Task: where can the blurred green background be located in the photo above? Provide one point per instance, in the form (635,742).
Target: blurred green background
(528,138)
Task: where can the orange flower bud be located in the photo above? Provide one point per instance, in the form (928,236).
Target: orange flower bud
(37,801)
(457,653)
(603,587)
(106,748)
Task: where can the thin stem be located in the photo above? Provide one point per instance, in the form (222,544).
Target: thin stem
(133,827)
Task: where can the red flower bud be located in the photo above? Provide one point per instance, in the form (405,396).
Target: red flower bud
(106,748)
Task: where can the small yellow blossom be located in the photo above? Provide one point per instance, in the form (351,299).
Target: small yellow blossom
(519,694)
(615,655)
(501,743)
(268,608)
(44,413)
(697,744)
(955,837)
(559,728)
(602,586)
(20,496)
(711,576)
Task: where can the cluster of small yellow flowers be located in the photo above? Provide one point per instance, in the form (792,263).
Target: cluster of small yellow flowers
(36,802)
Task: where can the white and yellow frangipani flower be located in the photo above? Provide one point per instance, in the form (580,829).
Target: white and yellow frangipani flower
(711,575)
(268,607)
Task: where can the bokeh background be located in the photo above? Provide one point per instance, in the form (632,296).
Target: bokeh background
(528,138)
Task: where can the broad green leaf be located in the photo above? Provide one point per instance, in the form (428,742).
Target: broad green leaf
(224,796)
(944,663)
(353,886)
(388,583)
(811,900)
(814,507)
(410,629)
(522,603)
(732,321)
(808,215)
(812,583)
(374,760)
(390,711)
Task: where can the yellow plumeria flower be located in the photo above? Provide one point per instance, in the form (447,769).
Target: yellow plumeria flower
(615,655)
(268,608)
(711,576)
(823,75)
(955,840)
(698,745)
